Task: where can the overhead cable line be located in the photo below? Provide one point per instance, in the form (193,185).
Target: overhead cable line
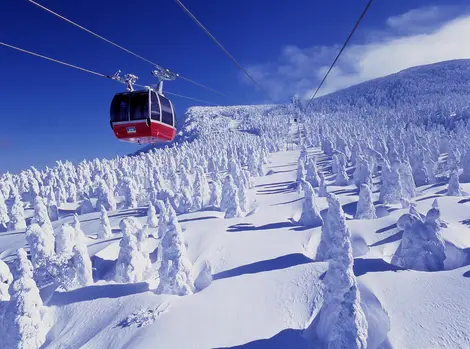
(55,60)
(341,51)
(88,70)
(222,48)
(120,47)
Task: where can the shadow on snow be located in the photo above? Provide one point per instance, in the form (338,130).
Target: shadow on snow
(364,266)
(282,262)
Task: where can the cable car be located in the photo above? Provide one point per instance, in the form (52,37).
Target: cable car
(145,116)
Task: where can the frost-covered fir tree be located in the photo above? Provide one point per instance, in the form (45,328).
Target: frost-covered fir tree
(105,197)
(430,166)
(253,164)
(230,202)
(342,177)
(350,329)
(6,279)
(453,188)
(186,181)
(104,230)
(341,320)
(300,170)
(22,323)
(391,190)
(17,220)
(65,241)
(53,210)
(323,188)
(41,245)
(131,264)
(130,193)
(162,218)
(199,190)
(422,246)
(4,219)
(216,194)
(152,219)
(175,269)
(82,263)
(310,214)
(185,201)
(362,173)
(71,190)
(243,198)
(334,225)
(312,173)
(41,216)
(365,207)
(465,176)
(406,179)
(420,174)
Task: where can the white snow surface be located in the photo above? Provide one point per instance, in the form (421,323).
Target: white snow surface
(266,286)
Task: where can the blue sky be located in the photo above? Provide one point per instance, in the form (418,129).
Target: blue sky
(50,112)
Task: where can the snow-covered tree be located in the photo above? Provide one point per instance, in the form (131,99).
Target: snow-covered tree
(105,197)
(162,218)
(323,187)
(23,325)
(130,193)
(300,170)
(175,269)
(453,189)
(341,321)
(421,247)
(186,181)
(65,241)
(406,179)
(230,200)
(5,280)
(334,226)
(41,245)
(365,207)
(243,198)
(201,190)
(17,220)
(391,190)
(420,174)
(216,194)
(152,219)
(362,173)
(312,173)
(310,214)
(82,263)
(465,176)
(131,264)
(71,190)
(41,216)
(350,328)
(253,164)
(185,201)
(342,177)
(104,230)
(4,219)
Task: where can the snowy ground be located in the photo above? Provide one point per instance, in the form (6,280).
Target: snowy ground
(267,286)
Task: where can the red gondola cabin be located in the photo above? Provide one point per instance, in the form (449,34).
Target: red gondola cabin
(143,117)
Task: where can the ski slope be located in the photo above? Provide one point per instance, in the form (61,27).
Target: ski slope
(267,286)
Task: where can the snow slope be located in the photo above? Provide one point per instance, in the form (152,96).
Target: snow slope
(267,287)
